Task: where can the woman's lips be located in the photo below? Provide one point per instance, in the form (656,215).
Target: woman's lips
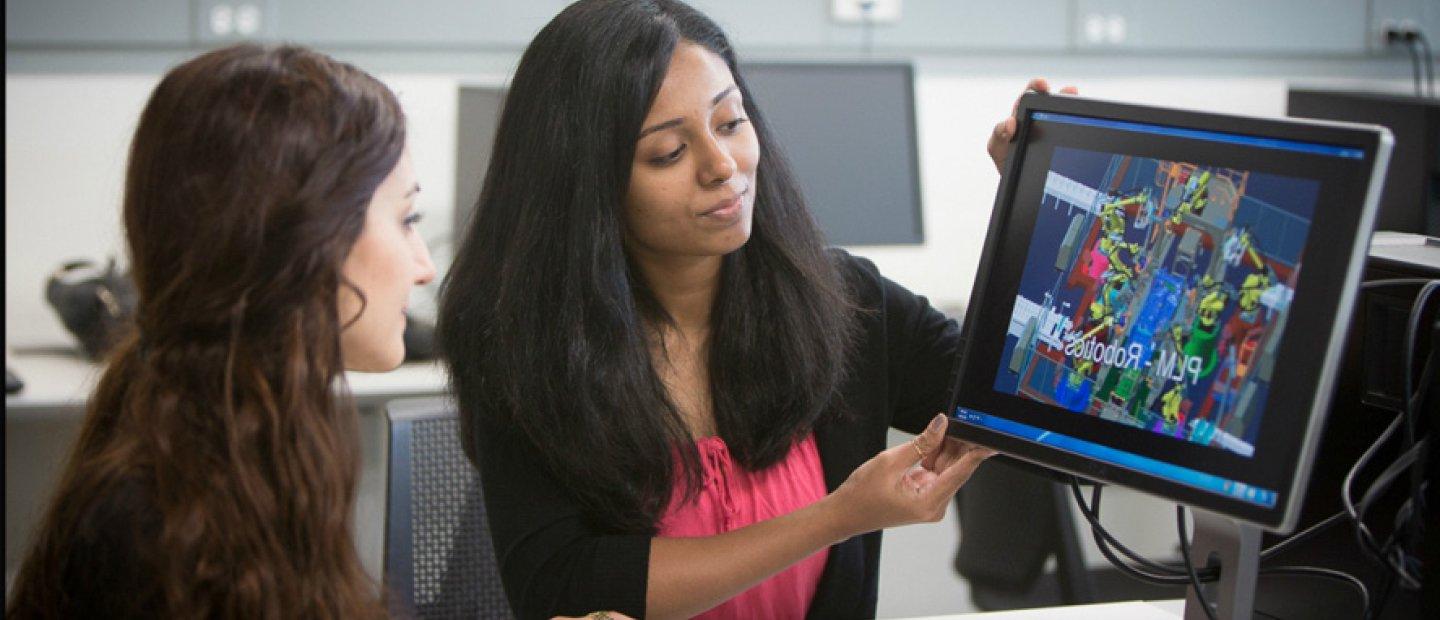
(725,209)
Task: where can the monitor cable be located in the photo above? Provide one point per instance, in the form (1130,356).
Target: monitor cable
(1190,565)
(1173,575)
(1421,58)
(1409,519)
(1419,40)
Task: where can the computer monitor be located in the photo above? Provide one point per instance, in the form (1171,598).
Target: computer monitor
(862,184)
(1411,200)
(848,130)
(1162,299)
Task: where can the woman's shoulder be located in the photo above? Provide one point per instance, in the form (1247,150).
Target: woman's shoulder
(102,565)
(122,507)
(860,274)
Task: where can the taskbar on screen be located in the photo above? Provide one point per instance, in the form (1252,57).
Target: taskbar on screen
(1183,475)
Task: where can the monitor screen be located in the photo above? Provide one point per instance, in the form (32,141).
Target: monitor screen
(1162,296)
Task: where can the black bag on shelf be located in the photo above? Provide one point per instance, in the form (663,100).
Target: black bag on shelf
(94,304)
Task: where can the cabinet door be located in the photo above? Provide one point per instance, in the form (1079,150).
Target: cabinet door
(414,24)
(119,23)
(1021,25)
(1307,27)
(755,25)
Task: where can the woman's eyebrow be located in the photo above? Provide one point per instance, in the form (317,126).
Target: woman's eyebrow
(714,101)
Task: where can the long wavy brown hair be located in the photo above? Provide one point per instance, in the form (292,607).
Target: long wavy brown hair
(248,182)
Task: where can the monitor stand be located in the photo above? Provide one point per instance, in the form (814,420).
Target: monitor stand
(1235,548)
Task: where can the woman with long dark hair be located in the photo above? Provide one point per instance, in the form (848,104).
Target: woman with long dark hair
(676,396)
(269,213)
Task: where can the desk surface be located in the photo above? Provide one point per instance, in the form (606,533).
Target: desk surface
(57,384)
(1132,610)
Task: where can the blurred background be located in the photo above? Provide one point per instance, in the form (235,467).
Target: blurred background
(77,73)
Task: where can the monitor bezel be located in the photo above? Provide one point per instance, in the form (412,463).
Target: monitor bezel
(1376,142)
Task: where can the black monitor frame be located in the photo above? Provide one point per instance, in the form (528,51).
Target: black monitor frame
(854,149)
(1327,286)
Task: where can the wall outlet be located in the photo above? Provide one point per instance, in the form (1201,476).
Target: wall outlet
(221,21)
(861,11)
(1103,29)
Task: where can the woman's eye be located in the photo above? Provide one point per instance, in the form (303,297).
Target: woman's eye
(732,126)
(668,157)
(414,218)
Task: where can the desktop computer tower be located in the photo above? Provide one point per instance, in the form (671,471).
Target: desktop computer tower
(1368,390)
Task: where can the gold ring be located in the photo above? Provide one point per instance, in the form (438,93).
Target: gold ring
(918,449)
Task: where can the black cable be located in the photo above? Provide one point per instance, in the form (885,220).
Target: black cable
(1392,554)
(1193,577)
(1325,573)
(1301,536)
(1395,282)
(1415,67)
(1172,576)
(1280,547)
(1189,562)
(1103,536)
(1362,534)
(1387,584)
(1412,327)
(1413,397)
(1424,42)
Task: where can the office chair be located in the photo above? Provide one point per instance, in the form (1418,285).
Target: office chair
(1013,518)
(1012,521)
(439,559)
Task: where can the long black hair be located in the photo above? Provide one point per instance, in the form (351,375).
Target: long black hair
(544,322)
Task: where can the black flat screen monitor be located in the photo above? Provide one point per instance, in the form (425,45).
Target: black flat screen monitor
(848,130)
(1162,298)
(1411,200)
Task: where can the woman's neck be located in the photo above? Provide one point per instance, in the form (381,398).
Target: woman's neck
(685,287)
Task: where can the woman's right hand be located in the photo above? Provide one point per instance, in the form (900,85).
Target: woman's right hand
(900,486)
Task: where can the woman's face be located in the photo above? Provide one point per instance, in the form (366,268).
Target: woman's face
(692,183)
(388,259)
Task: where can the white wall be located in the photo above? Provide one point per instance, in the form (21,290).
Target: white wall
(67,138)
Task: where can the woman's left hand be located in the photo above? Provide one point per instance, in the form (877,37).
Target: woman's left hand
(940,459)
(999,145)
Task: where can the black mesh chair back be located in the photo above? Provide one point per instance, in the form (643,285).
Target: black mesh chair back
(439,560)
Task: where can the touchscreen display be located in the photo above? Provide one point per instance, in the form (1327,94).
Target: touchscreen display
(1154,294)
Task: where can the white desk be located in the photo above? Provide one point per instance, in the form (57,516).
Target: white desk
(1132,610)
(58,383)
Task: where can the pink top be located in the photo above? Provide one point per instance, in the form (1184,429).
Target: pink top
(734,498)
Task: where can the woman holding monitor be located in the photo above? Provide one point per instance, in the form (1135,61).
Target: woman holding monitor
(676,395)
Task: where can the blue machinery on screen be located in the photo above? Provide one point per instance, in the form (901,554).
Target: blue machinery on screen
(1154,295)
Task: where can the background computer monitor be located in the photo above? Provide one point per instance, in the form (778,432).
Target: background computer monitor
(1163,296)
(848,130)
(1411,200)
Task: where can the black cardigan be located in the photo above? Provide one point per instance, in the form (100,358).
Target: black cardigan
(553,561)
